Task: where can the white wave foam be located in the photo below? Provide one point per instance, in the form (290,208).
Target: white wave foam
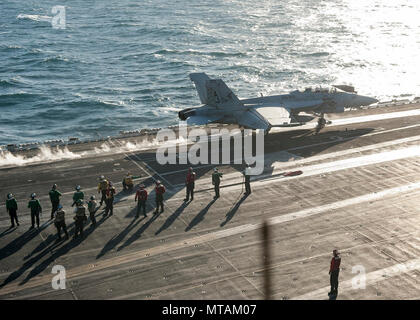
(47,154)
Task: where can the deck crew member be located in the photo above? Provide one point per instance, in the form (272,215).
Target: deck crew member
(102,186)
(334,271)
(36,209)
(109,199)
(321,124)
(215,177)
(55,199)
(160,190)
(190,183)
(141,197)
(247,178)
(60,222)
(12,207)
(78,195)
(92,207)
(128,182)
(79,218)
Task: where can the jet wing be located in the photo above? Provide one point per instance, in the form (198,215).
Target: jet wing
(275,115)
(252,119)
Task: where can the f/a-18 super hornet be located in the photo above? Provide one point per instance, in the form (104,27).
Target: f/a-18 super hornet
(221,105)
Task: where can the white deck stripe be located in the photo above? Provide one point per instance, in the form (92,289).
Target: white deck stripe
(352,120)
(376,117)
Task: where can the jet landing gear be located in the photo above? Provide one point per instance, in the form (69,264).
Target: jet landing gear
(321,124)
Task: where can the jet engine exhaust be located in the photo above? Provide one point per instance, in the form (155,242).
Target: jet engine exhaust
(186,113)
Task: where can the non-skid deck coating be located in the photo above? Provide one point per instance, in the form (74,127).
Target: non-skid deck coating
(359,193)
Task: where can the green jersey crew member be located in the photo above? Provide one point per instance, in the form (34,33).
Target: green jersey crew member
(36,209)
(11,207)
(78,195)
(55,199)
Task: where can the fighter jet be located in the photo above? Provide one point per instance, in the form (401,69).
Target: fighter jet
(221,105)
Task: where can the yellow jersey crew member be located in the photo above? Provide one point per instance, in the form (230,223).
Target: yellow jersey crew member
(128,183)
(102,186)
(109,199)
(60,222)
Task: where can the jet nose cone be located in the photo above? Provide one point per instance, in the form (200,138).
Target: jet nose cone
(369,100)
(363,101)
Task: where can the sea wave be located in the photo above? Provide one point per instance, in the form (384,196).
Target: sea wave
(7,83)
(199,53)
(9,99)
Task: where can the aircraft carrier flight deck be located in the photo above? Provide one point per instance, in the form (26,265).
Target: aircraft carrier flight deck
(358,192)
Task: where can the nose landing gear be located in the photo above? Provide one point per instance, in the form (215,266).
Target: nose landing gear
(321,124)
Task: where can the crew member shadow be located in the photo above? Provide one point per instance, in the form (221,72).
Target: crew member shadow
(52,255)
(139,232)
(233,210)
(20,241)
(114,241)
(200,216)
(7,231)
(172,217)
(50,238)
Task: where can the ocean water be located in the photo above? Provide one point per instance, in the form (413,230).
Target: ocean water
(121,64)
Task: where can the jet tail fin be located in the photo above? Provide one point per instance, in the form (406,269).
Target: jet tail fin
(213,91)
(200,80)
